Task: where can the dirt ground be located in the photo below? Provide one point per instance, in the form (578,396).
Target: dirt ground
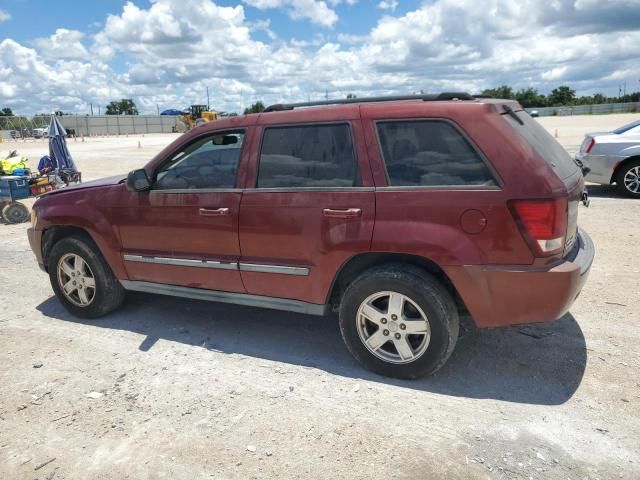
(180,389)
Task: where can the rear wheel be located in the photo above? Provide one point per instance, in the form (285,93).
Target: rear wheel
(15,213)
(82,280)
(399,321)
(628,179)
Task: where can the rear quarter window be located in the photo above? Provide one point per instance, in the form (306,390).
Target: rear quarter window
(543,143)
(430,153)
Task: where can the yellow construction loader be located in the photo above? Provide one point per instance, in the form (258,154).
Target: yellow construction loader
(194,116)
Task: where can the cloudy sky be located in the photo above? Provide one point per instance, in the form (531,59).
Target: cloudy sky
(164,53)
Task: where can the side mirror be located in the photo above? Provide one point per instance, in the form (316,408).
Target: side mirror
(138,181)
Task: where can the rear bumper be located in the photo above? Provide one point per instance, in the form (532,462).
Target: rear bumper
(35,242)
(499,295)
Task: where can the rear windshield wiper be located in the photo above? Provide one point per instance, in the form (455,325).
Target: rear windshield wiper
(509,111)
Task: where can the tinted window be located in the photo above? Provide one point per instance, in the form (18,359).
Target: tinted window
(627,127)
(430,153)
(211,162)
(543,143)
(308,156)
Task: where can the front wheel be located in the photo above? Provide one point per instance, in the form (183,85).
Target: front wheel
(628,179)
(82,280)
(399,321)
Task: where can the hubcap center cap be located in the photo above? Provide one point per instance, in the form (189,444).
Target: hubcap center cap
(393,326)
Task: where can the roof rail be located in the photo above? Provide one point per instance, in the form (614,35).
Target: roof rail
(436,97)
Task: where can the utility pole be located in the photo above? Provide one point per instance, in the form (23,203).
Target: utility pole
(158,108)
(91,105)
(625,88)
(98,109)
(208,104)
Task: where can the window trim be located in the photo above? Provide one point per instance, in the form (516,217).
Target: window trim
(499,184)
(356,159)
(167,159)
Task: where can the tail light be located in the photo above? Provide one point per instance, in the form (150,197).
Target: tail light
(590,145)
(543,224)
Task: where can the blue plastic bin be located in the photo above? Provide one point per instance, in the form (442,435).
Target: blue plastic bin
(14,187)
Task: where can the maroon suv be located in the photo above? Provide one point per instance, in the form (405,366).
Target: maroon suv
(398,212)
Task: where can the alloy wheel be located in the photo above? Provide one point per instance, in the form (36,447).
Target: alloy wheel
(76,280)
(632,180)
(393,327)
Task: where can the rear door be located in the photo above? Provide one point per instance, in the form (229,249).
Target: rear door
(308,209)
(185,230)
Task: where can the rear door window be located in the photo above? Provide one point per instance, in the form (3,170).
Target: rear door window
(303,156)
(543,143)
(430,153)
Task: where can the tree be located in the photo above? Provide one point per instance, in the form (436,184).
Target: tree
(503,91)
(255,108)
(126,106)
(562,95)
(529,97)
(6,112)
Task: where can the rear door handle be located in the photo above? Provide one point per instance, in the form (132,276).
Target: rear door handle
(342,212)
(214,212)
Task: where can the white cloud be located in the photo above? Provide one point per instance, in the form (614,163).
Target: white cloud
(169,52)
(317,11)
(63,44)
(4,16)
(388,5)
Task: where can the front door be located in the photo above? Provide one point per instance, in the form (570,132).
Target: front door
(185,230)
(311,210)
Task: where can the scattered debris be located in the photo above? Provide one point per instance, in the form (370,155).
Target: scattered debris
(535,332)
(602,430)
(45,464)
(268,453)
(616,303)
(60,418)
(52,474)
(37,364)
(356,388)
(21,407)
(291,388)
(251,448)
(94,395)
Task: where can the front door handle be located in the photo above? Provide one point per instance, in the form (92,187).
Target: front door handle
(214,212)
(342,212)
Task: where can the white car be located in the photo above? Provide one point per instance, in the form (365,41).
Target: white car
(614,157)
(41,132)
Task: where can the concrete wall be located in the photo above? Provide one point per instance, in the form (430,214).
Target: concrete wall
(588,109)
(119,124)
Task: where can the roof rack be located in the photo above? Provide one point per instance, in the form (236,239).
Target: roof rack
(436,97)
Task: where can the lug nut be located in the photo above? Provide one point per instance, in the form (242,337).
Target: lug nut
(383,320)
(394,317)
(385,332)
(397,335)
(403,326)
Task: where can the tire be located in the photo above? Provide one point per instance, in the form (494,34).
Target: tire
(625,179)
(423,295)
(106,294)
(15,213)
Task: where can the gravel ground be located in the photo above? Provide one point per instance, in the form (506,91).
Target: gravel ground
(179,389)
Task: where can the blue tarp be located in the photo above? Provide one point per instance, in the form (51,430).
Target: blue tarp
(58,151)
(171,111)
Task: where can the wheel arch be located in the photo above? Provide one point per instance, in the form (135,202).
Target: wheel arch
(621,164)
(357,264)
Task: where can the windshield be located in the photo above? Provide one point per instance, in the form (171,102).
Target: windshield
(627,127)
(542,142)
